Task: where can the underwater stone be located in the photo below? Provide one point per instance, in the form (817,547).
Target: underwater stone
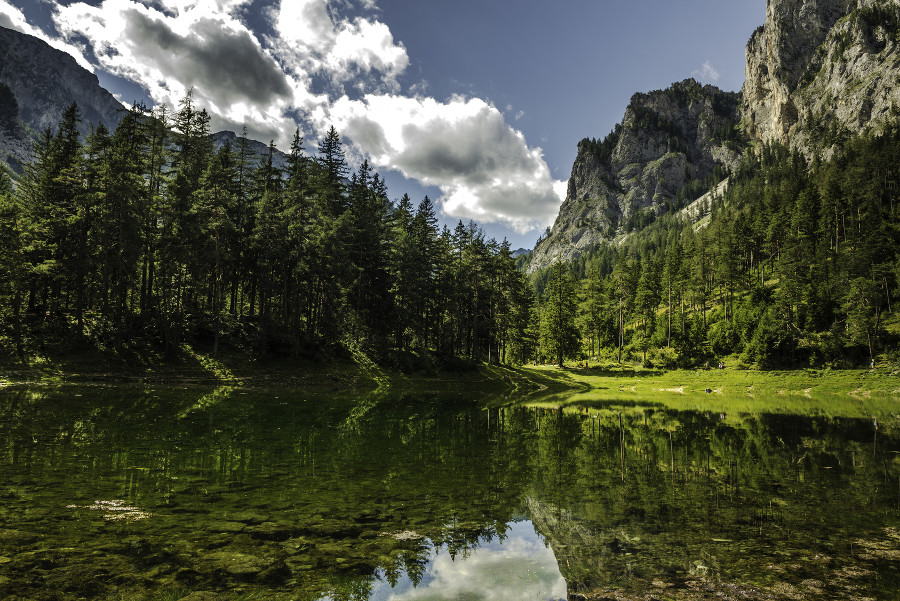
(238,565)
(271,531)
(248,517)
(232,527)
(202,596)
(16,537)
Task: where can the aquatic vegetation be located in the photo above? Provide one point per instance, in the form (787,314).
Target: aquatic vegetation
(286,494)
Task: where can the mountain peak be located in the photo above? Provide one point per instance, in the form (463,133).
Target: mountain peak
(667,139)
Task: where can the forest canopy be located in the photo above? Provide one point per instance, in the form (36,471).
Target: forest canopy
(152,236)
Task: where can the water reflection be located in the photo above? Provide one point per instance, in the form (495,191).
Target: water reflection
(519,566)
(284,495)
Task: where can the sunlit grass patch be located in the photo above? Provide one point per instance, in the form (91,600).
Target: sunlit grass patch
(808,392)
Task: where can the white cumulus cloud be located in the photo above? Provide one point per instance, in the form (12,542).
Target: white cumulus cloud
(175,46)
(484,168)
(311,38)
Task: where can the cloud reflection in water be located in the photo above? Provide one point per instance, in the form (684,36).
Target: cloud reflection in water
(519,568)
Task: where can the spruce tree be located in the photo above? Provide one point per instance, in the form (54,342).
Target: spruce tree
(560,338)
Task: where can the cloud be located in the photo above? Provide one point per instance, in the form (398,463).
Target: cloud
(706,73)
(12,18)
(520,568)
(324,62)
(172,46)
(312,39)
(213,56)
(367,46)
(483,167)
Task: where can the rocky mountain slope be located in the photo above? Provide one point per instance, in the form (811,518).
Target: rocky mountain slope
(817,72)
(38,82)
(257,148)
(15,145)
(44,82)
(667,139)
(820,70)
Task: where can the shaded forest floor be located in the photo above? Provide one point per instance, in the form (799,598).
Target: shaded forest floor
(87,362)
(706,389)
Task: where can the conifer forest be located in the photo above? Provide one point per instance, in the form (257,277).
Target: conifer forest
(152,235)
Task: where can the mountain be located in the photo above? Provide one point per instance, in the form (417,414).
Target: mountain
(43,82)
(257,148)
(817,73)
(667,139)
(821,71)
(38,83)
(15,145)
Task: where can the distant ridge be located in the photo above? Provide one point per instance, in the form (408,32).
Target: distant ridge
(38,83)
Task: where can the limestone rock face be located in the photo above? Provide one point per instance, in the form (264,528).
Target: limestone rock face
(666,139)
(37,84)
(257,148)
(817,73)
(821,69)
(45,81)
(15,145)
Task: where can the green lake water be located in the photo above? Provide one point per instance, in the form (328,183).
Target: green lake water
(129,493)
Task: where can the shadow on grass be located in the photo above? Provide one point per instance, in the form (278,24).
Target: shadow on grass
(620,372)
(547,379)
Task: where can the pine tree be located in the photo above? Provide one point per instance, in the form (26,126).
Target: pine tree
(124,194)
(215,208)
(560,338)
(334,172)
(368,237)
(13,263)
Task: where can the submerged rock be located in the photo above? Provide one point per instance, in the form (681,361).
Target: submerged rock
(231,527)
(271,531)
(14,538)
(247,568)
(203,596)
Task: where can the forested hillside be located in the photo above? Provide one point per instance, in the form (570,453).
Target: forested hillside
(795,265)
(149,237)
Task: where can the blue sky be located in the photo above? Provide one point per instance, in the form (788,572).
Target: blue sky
(478,103)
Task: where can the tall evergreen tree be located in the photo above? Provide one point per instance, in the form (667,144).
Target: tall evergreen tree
(334,172)
(560,338)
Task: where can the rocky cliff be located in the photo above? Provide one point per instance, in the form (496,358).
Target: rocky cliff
(45,81)
(15,145)
(256,148)
(667,139)
(817,73)
(37,83)
(820,70)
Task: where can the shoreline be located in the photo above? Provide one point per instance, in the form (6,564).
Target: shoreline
(600,382)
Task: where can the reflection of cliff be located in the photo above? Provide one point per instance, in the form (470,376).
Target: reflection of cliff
(308,494)
(583,552)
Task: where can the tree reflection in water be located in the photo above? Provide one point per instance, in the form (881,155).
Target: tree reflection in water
(286,494)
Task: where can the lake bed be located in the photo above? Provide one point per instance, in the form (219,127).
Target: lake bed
(133,493)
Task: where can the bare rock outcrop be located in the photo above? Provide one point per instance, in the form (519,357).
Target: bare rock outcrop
(819,71)
(667,138)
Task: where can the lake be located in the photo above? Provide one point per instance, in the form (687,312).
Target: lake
(133,493)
